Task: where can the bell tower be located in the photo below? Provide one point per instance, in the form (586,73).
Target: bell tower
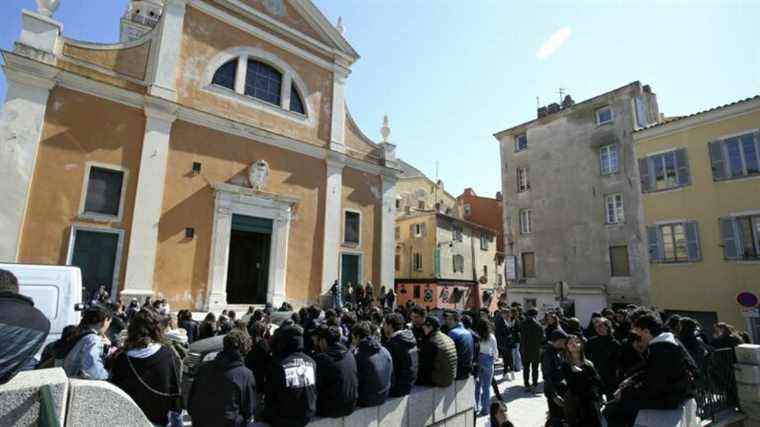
(141,17)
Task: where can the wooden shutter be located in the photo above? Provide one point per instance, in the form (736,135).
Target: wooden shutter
(654,242)
(716,160)
(411,231)
(692,241)
(729,234)
(423,229)
(646,177)
(682,167)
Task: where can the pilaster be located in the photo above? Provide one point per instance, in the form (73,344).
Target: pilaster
(143,240)
(333,203)
(388,233)
(21,124)
(338,129)
(163,77)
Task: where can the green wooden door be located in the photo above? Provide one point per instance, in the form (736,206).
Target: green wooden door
(349,269)
(95,254)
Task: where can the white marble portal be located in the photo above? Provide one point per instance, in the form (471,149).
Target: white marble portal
(233,199)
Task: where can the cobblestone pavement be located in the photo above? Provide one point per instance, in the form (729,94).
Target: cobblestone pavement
(524,409)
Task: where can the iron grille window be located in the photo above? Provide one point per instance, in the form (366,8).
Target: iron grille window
(263,82)
(104,191)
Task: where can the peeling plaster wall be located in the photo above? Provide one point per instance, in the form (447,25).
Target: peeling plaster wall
(570,239)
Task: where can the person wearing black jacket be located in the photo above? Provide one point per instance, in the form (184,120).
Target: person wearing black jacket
(186,322)
(23,329)
(258,360)
(665,381)
(403,349)
(603,350)
(148,370)
(337,381)
(374,366)
(224,390)
(291,386)
(554,382)
(531,337)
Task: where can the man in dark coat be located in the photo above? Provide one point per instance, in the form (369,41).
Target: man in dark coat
(665,381)
(418,315)
(603,350)
(23,329)
(438,356)
(291,386)
(224,391)
(337,381)
(464,342)
(531,339)
(403,349)
(554,382)
(373,364)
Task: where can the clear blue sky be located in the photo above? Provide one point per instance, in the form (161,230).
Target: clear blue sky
(451,73)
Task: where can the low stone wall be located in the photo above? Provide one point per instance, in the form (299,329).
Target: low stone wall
(747,370)
(77,403)
(452,406)
(84,403)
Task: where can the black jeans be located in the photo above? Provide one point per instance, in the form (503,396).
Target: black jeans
(530,367)
(621,413)
(556,413)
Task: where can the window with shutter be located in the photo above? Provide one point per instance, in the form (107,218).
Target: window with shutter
(735,157)
(614,209)
(352,227)
(716,161)
(730,237)
(528,265)
(619,261)
(682,167)
(645,176)
(748,227)
(664,171)
(653,242)
(522,180)
(692,241)
(608,157)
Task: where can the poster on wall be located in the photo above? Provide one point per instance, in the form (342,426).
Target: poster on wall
(510,268)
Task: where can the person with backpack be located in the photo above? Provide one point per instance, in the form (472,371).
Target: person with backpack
(83,356)
(148,370)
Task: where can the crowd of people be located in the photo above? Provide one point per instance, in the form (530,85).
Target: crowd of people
(327,362)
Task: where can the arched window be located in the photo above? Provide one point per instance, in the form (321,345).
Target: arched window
(225,75)
(296,104)
(263,82)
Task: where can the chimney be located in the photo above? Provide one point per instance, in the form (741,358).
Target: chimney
(553,108)
(647,89)
(542,112)
(499,196)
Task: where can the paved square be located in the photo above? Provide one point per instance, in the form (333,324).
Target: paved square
(524,409)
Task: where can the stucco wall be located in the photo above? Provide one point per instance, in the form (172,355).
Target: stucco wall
(567,193)
(78,128)
(182,265)
(407,245)
(205,37)
(131,62)
(360,194)
(407,189)
(713,283)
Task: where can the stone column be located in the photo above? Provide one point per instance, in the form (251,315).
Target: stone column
(21,122)
(388,233)
(163,78)
(143,240)
(279,254)
(333,220)
(220,251)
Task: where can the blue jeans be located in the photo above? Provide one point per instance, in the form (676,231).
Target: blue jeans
(483,387)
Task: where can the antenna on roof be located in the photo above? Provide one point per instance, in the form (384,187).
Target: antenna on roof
(538,103)
(561,92)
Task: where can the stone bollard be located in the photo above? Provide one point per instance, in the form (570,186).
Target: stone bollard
(747,369)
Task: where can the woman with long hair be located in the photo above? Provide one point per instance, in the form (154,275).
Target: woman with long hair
(489,351)
(208,327)
(497,415)
(725,336)
(148,370)
(583,399)
(604,352)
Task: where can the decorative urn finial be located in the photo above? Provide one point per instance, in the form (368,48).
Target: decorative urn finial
(385,131)
(47,7)
(339,26)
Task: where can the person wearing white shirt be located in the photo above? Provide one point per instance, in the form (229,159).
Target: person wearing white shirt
(489,351)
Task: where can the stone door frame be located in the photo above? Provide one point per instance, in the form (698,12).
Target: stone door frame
(236,200)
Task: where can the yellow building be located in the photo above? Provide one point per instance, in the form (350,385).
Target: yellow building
(700,178)
(415,192)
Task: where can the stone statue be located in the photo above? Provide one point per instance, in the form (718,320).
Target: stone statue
(258,174)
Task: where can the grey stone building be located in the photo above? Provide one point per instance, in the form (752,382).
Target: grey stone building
(572,207)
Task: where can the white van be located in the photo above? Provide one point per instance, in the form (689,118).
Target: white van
(56,291)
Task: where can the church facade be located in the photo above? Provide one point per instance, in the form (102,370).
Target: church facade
(208,158)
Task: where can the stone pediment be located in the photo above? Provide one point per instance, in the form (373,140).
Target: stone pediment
(294,18)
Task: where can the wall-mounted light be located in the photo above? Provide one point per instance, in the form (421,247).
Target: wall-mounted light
(196,168)
(189,233)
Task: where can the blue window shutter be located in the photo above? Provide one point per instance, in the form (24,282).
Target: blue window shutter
(437,261)
(682,167)
(716,160)
(645,175)
(654,244)
(729,234)
(692,241)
